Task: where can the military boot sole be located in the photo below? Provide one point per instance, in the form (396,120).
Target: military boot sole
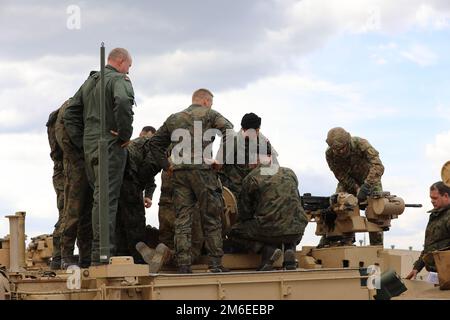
(162,254)
(145,251)
(275,256)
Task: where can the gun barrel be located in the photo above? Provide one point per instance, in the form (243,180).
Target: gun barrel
(413,205)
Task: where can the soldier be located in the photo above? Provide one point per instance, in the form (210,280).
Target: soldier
(58,185)
(237,164)
(77,199)
(139,177)
(358,169)
(194,181)
(167,217)
(147,131)
(270,215)
(437,233)
(82,121)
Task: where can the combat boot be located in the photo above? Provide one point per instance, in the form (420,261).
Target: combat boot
(155,258)
(289,262)
(215,265)
(184,269)
(68,261)
(55,264)
(269,255)
(84,264)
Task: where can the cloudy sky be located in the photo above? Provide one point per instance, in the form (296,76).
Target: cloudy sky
(378,68)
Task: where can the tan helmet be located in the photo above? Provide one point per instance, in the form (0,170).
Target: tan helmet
(338,137)
(445,173)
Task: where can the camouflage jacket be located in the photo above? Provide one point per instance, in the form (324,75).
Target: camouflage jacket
(55,150)
(363,165)
(142,165)
(82,116)
(437,236)
(237,161)
(273,201)
(188,149)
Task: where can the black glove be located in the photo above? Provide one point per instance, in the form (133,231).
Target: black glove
(364,192)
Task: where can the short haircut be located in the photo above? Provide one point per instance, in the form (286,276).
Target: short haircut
(250,121)
(148,128)
(441,187)
(118,54)
(202,93)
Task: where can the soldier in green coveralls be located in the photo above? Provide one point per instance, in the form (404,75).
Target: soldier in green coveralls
(82,121)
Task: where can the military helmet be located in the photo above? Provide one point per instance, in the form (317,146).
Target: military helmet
(445,173)
(338,138)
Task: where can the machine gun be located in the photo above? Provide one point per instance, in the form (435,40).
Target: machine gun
(339,214)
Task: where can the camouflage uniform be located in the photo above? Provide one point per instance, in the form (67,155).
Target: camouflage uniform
(361,166)
(270,210)
(437,236)
(167,217)
(194,183)
(77,198)
(58,183)
(82,122)
(236,165)
(139,177)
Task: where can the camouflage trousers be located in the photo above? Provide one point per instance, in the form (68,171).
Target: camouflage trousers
(58,185)
(197,190)
(167,216)
(117,157)
(247,236)
(130,226)
(77,206)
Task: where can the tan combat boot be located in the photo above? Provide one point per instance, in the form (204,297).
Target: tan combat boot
(155,258)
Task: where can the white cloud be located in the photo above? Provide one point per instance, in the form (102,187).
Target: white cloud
(443,111)
(26,171)
(37,88)
(421,55)
(427,16)
(438,152)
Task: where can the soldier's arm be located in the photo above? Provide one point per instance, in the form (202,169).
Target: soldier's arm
(226,128)
(158,145)
(150,188)
(419,264)
(55,149)
(341,174)
(73,119)
(123,96)
(376,167)
(151,169)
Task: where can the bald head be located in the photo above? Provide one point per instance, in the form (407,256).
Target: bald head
(120,59)
(203,97)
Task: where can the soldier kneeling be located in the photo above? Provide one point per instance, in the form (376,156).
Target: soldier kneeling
(270,214)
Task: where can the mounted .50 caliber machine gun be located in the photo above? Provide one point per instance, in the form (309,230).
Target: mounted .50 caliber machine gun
(339,214)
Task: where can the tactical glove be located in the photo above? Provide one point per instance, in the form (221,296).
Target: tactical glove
(364,191)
